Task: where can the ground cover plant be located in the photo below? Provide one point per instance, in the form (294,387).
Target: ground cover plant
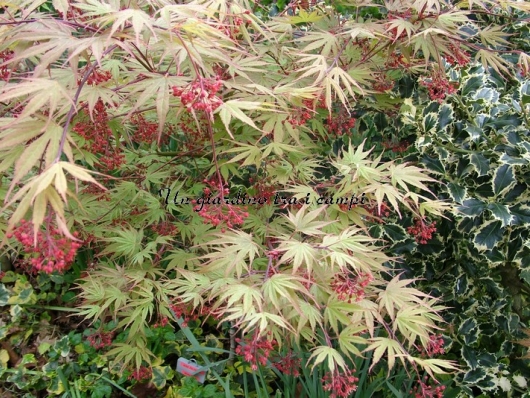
(224,181)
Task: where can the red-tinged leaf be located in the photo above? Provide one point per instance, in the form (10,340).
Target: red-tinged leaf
(61,223)
(44,180)
(234,108)
(39,212)
(334,358)
(80,173)
(60,183)
(31,156)
(392,347)
(62,6)
(20,131)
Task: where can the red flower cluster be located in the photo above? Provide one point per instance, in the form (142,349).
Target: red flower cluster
(165,228)
(188,313)
(340,123)
(255,350)
(142,374)
(5,72)
(375,213)
(200,95)
(457,56)
(303,114)
(289,364)
(439,87)
(382,85)
(215,210)
(97,131)
(162,322)
(263,188)
(341,384)
(348,288)
(397,61)
(97,77)
(52,252)
(422,231)
(397,147)
(100,340)
(145,131)
(426,391)
(435,346)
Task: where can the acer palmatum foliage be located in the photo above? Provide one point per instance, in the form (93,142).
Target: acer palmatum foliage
(162,95)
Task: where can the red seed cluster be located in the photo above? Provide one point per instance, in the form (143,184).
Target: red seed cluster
(100,340)
(340,384)
(231,215)
(200,95)
(376,214)
(424,390)
(438,87)
(215,210)
(97,131)
(146,132)
(263,188)
(97,77)
(340,123)
(164,321)
(397,61)
(188,313)
(289,364)
(142,374)
(457,56)
(436,345)
(302,114)
(52,252)
(382,84)
(348,288)
(165,228)
(5,72)
(422,231)
(255,350)
(397,147)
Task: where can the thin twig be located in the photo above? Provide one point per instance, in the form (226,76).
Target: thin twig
(71,112)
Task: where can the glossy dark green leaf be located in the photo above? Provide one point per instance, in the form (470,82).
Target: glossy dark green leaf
(429,122)
(433,164)
(481,163)
(445,117)
(4,295)
(472,207)
(506,120)
(521,213)
(503,178)
(457,192)
(461,285)
(488,235)
(472,84)
(501,212)
(505,158)
(396,233)
(474,132)
(495,256)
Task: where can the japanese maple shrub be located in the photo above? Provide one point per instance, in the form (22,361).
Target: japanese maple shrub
(137,125)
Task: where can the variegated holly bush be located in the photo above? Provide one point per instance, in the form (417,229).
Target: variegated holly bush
(134,134)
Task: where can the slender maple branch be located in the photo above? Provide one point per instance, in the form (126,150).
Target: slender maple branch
(71,112)
(208,119)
